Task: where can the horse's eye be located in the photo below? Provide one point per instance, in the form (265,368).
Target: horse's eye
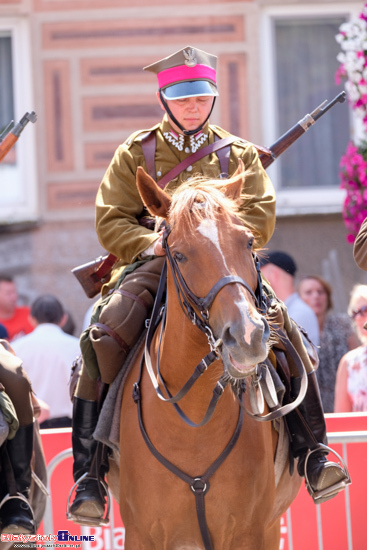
(179,257)
(250,243)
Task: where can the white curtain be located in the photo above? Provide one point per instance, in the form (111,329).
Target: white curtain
(306,63)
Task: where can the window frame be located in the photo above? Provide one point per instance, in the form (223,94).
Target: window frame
(25,208)
(296,201)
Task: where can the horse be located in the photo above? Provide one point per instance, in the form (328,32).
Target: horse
(196,471)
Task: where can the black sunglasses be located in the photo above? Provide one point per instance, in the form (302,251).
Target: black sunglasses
(360,311)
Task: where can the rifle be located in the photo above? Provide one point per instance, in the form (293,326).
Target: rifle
(298,130)
(94,274)
(11,133)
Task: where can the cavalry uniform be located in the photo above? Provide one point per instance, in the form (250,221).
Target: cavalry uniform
(16,515)
(189,73)
(118,204)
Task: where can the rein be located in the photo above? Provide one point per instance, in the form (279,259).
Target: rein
(158,316)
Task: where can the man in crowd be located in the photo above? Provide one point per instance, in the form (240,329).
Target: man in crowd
(279,268)
(48,354)
(13,317)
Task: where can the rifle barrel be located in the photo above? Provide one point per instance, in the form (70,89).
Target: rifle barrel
(299,129)
(12,135)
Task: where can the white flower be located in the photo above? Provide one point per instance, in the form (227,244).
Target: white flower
(352,91)
(352,38)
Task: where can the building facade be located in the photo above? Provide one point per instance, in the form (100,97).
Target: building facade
(78,65)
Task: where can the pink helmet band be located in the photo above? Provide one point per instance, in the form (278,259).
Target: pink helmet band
(182,73)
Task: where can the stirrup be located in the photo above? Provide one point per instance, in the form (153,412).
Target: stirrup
(19,496)
(86,520)
(329,492)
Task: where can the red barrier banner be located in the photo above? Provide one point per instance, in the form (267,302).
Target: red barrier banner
(333,525)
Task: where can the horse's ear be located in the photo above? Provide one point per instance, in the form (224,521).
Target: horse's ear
(232,188)
(155,199)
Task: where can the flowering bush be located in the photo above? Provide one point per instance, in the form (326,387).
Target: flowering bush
(352,38)
(353,176)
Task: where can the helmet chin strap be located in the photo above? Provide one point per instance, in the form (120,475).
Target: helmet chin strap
(174,119)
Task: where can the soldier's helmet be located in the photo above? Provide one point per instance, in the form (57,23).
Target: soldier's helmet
(190,72)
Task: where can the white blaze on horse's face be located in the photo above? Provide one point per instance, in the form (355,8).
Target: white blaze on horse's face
(244,336)
(209,230)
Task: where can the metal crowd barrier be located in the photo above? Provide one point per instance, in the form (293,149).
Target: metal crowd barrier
(343,438)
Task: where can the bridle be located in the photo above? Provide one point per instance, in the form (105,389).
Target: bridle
(197,311)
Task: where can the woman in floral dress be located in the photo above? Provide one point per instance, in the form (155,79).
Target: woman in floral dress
(351,379)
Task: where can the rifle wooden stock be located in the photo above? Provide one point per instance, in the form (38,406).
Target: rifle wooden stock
(298,130)
(13,135)
(93,275)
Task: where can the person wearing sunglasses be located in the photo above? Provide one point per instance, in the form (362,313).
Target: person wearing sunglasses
(351,377)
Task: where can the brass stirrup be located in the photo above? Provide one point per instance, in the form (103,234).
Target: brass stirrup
(331,491)
(86,520)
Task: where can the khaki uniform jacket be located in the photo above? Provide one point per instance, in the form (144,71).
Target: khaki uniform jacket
(360,247)
(118,202)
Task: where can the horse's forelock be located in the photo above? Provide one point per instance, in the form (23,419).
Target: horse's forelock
(200,199)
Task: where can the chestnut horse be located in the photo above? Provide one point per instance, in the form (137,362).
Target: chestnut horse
(196,472)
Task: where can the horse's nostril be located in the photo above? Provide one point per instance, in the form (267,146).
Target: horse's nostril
(228,338)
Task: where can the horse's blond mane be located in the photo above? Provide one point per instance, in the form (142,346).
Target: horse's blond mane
(200,198)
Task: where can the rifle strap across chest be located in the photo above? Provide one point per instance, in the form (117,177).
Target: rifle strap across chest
(220,146)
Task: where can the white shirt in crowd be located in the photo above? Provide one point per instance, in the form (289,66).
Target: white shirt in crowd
(304,316)
(48,354)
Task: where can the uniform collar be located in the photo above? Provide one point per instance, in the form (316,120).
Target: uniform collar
(187,144)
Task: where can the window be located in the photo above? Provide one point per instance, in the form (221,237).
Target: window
(6,80)
(300,63)
(18,169)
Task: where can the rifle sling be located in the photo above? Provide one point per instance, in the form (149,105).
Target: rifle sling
(105,267)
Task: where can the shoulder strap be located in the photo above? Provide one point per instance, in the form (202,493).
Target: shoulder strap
(148,144)
(221,146)
(211,148)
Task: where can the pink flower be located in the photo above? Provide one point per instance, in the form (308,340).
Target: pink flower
(340,73)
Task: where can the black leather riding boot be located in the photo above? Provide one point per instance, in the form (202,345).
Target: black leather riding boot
(90,495)
(324,479)
(16,513)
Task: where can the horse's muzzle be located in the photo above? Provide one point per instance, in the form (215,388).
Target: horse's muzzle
(242,352)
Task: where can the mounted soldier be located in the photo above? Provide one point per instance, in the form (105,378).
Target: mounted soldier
(184,143)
